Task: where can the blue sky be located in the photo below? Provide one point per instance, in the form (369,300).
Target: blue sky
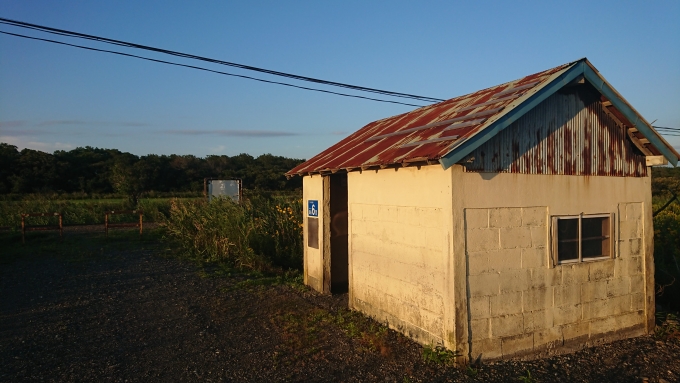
(55,97)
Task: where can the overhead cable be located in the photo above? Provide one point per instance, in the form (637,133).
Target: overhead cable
(67,33)
(668,132)
(665,128)
(206,69)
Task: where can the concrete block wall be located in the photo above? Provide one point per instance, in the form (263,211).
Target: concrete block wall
(519,303)
(399,266)
(399,249)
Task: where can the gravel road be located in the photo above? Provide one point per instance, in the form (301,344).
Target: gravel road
(135,315)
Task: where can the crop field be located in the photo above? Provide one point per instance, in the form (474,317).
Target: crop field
(80,211)
(262,232)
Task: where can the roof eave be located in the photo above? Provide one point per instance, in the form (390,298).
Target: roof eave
(644,127)
(581,67)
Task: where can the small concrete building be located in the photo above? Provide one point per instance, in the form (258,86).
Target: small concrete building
(511,221)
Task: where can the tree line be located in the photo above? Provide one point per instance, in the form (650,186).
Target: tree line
(103,171)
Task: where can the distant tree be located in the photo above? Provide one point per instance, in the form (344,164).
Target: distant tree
(96,170)
(85,170)
(9,156)
(35,172)
(665,181)
(127,177)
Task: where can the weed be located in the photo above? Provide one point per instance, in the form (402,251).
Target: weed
(669,327)
(471,371)
(438,355)
(352,330)
(319,315)
(527,378)
(667,255)
(292,278)
(260,233)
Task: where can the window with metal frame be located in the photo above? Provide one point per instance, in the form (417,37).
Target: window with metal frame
(582,238)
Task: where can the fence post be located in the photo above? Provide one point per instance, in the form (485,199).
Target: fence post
(140,224)
(23,230)
(106,223)
(61,227)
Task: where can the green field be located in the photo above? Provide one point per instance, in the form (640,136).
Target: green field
(80,211)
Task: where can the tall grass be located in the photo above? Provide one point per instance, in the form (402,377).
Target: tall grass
(667,255)
(262,232)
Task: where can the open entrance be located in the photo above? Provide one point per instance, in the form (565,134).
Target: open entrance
(339,281)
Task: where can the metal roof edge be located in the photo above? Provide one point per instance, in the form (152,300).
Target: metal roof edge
(459,152)
(593,76)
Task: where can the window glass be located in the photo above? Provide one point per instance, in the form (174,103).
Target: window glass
(591,241)
(567,250)
(567,239)
(595,237)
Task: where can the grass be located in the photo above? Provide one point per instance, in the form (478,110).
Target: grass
(667,255)
(263,233)
(439,355)
(668,326)
(306,331)
(291,278)
(471,371)
(78,212)
(526,378)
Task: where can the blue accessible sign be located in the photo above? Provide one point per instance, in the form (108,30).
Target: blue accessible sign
(312,208)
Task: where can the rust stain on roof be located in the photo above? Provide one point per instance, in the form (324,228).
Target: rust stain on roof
(454,127)
(427,133)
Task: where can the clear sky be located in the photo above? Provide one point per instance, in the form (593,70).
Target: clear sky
(56,97)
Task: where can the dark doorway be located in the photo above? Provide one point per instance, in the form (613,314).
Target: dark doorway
(338,233)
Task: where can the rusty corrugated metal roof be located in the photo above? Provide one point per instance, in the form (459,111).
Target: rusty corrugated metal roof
(429,133)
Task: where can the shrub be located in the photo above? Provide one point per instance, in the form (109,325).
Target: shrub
(217,231)
(277,229)
(261,232)
(667,255)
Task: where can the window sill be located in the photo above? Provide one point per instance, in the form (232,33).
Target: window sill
(585,260)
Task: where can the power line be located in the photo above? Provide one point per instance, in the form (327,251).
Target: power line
(664,128)
(206,69)
(668,132)
(67,33)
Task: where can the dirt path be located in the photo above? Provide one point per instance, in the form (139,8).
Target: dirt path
(132,315)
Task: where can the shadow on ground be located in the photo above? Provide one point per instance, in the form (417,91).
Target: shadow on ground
(125,309)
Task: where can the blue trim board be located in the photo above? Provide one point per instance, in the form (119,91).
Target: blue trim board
(603,87)
(474,142)
(579,68)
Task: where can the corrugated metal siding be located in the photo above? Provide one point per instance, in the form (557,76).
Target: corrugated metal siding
(561,135)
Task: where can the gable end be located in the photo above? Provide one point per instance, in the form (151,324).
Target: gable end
(569,133)
(580,72)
